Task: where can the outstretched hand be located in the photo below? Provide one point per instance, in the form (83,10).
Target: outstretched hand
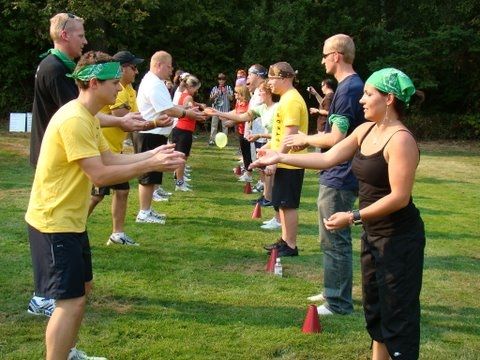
(297,141)
(132,121)
(265,157)
(168,160)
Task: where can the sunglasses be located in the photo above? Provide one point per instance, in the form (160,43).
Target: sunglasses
(70,16)
(330,53)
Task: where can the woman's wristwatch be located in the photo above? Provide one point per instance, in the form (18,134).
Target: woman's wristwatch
(357,220)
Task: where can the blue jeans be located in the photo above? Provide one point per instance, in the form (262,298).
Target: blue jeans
(337,249)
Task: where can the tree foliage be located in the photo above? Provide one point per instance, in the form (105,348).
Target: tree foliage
(436,43)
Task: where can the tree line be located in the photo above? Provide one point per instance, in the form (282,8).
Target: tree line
(437,43)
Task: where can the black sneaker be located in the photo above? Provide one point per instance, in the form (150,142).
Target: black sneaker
(276,245)
(265,202)
(286,250)
(259,200)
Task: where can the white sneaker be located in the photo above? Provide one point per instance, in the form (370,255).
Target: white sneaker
(157,197)
(273,224)
(268,221)
(121,239)
(318,297)
(161,191)
(150,217)
(183,187)
(324,310)
(245,178)
(41,306)
(76,354)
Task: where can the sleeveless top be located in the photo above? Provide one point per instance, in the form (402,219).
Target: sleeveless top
(372,174)
(185,123)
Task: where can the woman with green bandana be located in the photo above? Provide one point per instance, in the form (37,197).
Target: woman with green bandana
(74,154)
(385,157)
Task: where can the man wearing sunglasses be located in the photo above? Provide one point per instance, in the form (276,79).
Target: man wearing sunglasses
(338,186)
(53,89)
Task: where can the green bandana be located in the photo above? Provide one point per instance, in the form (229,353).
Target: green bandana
(393,81)
(69,63)
(104,71)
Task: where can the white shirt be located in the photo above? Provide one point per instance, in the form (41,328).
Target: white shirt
(257,127)
(152,99)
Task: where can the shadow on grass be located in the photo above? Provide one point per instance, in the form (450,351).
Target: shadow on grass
(448,319)
(437,181)
(467,264)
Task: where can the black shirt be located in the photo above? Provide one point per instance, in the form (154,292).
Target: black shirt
(52,90)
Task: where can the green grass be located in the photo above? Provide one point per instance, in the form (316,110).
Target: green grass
(196,287)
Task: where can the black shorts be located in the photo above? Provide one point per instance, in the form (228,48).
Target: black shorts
(182,140)
(391,280)
(105,190)
(143,142)
(287,188)
(62,263)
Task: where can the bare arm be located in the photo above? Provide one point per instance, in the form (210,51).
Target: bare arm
(109,168)
(323,140)
(131,121)
(338,154)
(231,115)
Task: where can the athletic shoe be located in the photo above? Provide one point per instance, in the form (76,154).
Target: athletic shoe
(41,306)
(259,200)
(275,245)
(318,297)
(258,188)
(286,250)
(157,197)
(245,178)
(121,239)
(267,221)
(211,142)
(324,310)
(150,217)
(76,354)
(182,187)
(273,224)
(160,191)
(265,202)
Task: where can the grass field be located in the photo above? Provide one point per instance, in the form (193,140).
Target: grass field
(196,287)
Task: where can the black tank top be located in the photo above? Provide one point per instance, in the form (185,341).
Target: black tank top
(372,174)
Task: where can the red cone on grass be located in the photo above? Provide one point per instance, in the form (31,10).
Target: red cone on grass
(272,260)
(248,188)
(312,322)
(257,211)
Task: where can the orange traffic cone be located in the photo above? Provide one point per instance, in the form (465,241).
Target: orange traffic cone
(312,322)
(272,260)
(257,211)
(248,188)
(238,170)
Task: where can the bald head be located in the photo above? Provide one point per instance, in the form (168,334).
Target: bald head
(160,57)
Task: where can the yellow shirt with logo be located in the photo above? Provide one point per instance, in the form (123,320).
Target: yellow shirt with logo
(61,190)
(126,98)
(291,111)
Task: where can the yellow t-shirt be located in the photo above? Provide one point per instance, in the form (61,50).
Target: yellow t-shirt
(60,193)
(115,136)
(291,111)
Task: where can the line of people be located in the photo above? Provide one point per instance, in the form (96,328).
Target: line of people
(384,155)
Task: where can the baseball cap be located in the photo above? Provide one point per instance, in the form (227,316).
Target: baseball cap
(126,57)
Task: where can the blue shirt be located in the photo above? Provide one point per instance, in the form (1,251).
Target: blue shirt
(346,103)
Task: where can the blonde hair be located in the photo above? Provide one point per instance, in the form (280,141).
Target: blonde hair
(343,44)
(243,91)
(60,22)
(191,81)
(160,57)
